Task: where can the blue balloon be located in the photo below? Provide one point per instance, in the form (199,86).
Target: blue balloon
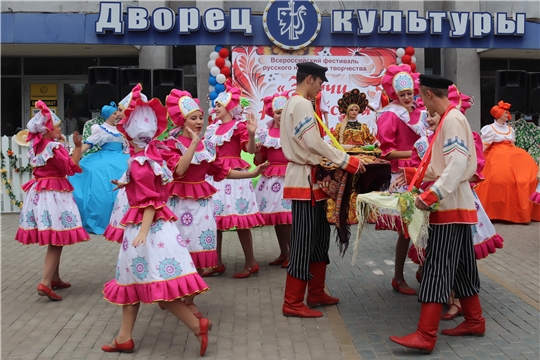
(213,95)
(212,80)
(220,88)
(217,48)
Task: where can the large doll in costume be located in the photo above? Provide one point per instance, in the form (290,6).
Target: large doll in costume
(275,210)
(510,172)
(350,131)
(93,189)
(400,124)
(49,216)
(234,203)
(154,264)
(190,195)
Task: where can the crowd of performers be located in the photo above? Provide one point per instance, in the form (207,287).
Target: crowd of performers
(176,196)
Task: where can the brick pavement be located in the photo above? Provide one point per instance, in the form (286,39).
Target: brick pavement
(247,313)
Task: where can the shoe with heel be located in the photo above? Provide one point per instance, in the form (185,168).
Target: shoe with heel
(204,326)
(126,347)
(214,271)
(251,271)
(60,284)
(43,290)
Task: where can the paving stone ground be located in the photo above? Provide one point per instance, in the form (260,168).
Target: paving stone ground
(247,318)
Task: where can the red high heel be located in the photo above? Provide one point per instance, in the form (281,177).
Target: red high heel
(448,316)
(280,260)
(205,326)
(217,270)
(396,285)
(198,314)
(60,284)
(126,347)
(43,290)
(252,270)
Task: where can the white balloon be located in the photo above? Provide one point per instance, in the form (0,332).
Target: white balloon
(221,78)
(227,63)
(211,88)
(214,55)
(398,61)
(413,59)
(215,71)
(211,64)
(399,52)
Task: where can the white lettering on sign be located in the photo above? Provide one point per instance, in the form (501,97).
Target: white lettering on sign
(214,20)
(366,21)
(391,21)
(189,19)
(341,21)
(163,19)
(137,19)
(415,24)
(110,18)
(480,24)
(436,18)
(241,20)
(459,21)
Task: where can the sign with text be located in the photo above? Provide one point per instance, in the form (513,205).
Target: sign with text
(265,70)
(48,93)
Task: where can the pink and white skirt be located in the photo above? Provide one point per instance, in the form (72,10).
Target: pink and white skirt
(273,208)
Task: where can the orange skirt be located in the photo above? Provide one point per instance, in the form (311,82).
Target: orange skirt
(510,179)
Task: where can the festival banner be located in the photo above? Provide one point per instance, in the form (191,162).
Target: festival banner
(265,70)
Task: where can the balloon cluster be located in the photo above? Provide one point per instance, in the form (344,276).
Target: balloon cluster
(220,70)
(406,56)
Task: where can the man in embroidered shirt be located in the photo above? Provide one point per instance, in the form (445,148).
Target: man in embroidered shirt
(310,232)
(450,261)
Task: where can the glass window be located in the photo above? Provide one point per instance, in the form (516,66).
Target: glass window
(489,66)
(124,61)
(184,55)
(190,84)
(529,65)
(432,58)
(11,105)
(76,107)
(11,65)
(58,66)
(487,94)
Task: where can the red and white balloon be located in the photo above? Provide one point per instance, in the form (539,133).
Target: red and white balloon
(406,56)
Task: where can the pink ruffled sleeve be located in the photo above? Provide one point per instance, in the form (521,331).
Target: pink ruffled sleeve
(218,170)
(243,134)
(171,156)
(145,192)
(386,132)
(63,162)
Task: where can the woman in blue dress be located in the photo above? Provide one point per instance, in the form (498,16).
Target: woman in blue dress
(93,189)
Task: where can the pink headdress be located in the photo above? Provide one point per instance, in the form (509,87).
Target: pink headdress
(43,122)
(131,98)
(399,78)
(273,103)
(230,99)
(180,104)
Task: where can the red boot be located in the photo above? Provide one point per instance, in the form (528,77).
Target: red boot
(295,290)
(474,323)
(425,336)
(316,295)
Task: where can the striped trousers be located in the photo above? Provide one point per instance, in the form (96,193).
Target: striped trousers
(310,238)
(450,264)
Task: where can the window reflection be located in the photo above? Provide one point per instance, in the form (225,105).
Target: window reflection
(75,107)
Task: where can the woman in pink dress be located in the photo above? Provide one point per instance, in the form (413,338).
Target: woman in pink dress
(235,205)
(275,210)
(399,125)
(190,195)
(154,264)
(49,216)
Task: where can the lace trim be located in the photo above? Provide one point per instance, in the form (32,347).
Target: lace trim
(218,140)
(117,134)
(208,153)
(266,140)
(158,169)
(47,153)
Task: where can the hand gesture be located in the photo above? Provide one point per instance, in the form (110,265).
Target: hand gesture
(260,169)
(77,139)
(361,168)
(140,239)
(193,136)
(251,123)
(118,184)
(398,182)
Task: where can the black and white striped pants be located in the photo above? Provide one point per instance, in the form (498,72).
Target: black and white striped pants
(450,264)
(310,237)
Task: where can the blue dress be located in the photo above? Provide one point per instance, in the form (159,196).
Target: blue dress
(93,189)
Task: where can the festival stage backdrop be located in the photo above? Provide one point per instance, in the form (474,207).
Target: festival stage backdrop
(264,70)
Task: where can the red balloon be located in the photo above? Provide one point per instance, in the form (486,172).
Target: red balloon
(220,62)
(405,59)
(224,53)
(226,71)
(413,67)
(409,50)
